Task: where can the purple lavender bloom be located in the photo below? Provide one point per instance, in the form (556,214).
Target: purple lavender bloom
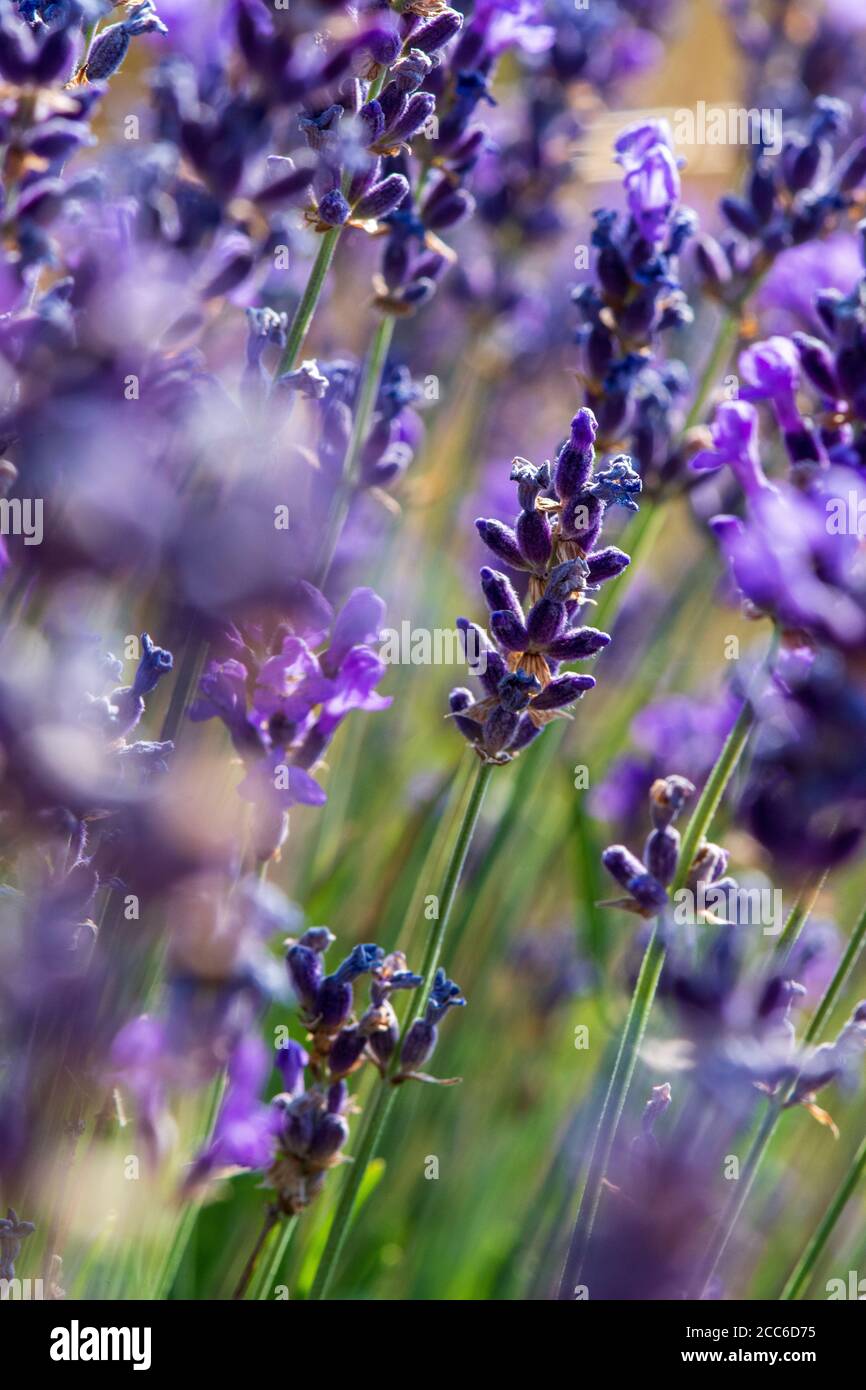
(804,799)
(245,1131)
(735,441)
(549,531)
(651,176)
(299,701)
(519,24)
(787,561)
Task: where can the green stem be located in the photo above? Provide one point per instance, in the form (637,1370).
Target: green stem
(268,1271)
(718,359)
(377,1116)
(803,1270)
(723,346)
(369,386)
(614,1101)
(318,274)
(765,1133)
(797,919)
(309,301)
(643,997)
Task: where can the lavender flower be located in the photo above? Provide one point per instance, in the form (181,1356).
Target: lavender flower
(299,699)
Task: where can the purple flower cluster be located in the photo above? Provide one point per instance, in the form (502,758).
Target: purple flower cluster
(635,299)
(282,702)
(553,541)
(301,1133)
(792,197)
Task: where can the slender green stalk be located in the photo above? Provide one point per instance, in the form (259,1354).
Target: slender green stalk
(614,1101)
(722,348)
(802,1272)
(642,1000)
(318,274)
(309,301)
(266,1277)
(797,919)
(369,386)
(720,353)
(377,1116)
(761,1142)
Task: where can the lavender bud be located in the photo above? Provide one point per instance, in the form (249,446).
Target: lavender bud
(713,265)
(449,211)
(383,45)
(668,796)
(305,974)
(415,115)
(419,1045)
(499,592)
(317,938)
(708,865)
(574,461)
(333,1002)
(411,70)
(740,215)
(291,1059)
(383,197)
(338,1096)
(661,853)
(562,691)
(606,564)
(631,874)
(329,1136)
(534,538)
(433,35)
(502,541)
(818,363)
(346,1051)
(333,209)
(577,646)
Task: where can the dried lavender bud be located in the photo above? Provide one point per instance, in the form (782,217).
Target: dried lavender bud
(708,865)
(668,796)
